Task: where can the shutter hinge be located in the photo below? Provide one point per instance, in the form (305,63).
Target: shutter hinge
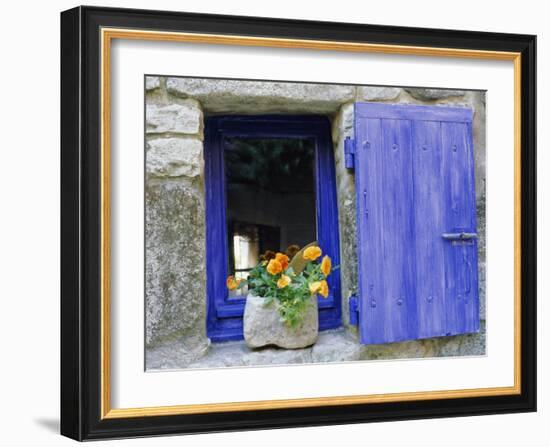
(353,311)
(349,153)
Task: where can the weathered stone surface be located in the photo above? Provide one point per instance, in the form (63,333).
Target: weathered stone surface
(261,97)
(461,345)
(348,253)
(458,345)
(233,354)
(404,350)
(345,179)
(262,325)
(431,94)
(335,347)
(377,93)
(184,118)
(481,251)
(175,354)
(174,157)
(343,123)
(175,279)
(331,346)
(152,83)
(479,129)
(277,356)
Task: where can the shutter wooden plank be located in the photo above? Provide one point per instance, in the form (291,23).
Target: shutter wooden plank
(429,225)
(413,112)
(462,301)
(369,196)
(386,231)
(398,272)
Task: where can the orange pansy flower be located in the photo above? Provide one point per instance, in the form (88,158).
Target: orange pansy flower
(231,283)
(274,267)
(283,259)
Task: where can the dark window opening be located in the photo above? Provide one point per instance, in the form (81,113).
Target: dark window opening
(270,198)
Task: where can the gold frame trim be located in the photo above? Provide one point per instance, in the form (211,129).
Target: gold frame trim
(107,35)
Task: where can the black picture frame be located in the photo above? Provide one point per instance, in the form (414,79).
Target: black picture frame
(81,208)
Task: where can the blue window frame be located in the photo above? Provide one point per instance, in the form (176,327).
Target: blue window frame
(224,314)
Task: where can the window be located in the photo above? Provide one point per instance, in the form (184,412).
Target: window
(416,208)
(270,186)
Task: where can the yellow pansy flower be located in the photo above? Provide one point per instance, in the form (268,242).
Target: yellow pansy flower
(312,253)
(283,281)
(320,287)
(326,265)
(323,291)
(315,286)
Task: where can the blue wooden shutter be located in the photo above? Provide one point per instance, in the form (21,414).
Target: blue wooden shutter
(416,222)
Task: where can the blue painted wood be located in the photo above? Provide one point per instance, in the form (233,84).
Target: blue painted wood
(353,311)
(328,234)
(413,112)
(224,315)
(216,241)
(462,300)
(349,153)
(369,196)
(414,183)
(429,218)
(386,227)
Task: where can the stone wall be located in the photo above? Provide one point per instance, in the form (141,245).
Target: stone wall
(175,272)
(175,214)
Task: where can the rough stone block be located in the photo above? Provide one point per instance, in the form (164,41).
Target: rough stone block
(343,125)
(261,97)
(345,181)
(431,94)
(461,345)
(262,325)
(152,83)
(403,350)
(482,258)
(175,279)
(332,346)
(377,93)
(174,157)
(184,118)
(335,346)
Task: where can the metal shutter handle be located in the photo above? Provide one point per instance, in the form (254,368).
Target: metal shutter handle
(459,236)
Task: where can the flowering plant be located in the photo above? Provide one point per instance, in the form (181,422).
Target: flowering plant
(291,283)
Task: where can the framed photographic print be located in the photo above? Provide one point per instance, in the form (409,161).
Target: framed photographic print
(275,223)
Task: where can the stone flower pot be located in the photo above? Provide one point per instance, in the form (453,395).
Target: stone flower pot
(262,325)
